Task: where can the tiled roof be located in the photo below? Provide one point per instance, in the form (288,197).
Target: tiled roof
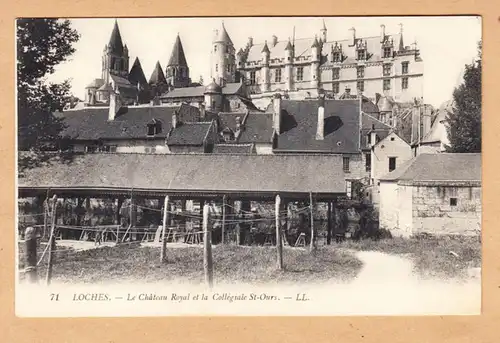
(177,57)
(190,172)
(136,74)
(228,119)
(303,48)
(233,148)
(232,88)
(368,122)
(299,126)
(157,77)
(115,41)
(189,134)
(92,123)
(438,167)
(185,92)
(258,128)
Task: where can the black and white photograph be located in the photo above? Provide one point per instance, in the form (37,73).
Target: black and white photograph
(282,166)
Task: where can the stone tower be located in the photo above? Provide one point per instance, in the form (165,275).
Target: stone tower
(289,54)
(177,70)
(265,77)
(223,58)
(115,57)
(315,62)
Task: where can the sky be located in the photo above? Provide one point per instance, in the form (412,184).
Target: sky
(446,43)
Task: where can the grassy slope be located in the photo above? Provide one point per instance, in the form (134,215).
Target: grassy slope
(232,264)
(432,256)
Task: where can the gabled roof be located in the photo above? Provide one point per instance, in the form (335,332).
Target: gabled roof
(91,123)
(444,167)
(115,41)
(136,74)
(258,128)
(228,148)
(299,126)
(177,57)
(194,173)
(192,134)
(157,77)
(228,119)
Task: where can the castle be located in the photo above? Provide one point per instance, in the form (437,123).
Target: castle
(368,67)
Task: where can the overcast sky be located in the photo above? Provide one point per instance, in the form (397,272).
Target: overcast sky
(446,43)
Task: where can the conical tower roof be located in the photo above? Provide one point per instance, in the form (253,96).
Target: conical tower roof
(136,74)
(157,76)
(222,36)
(315,44)
(289,45)
(115,41)
(177,57)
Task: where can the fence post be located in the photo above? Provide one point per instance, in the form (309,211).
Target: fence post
(313,238)
(279,243)
(329,232)
(163,256)
(223,229)
(207,245)
(52,240)
(31,258)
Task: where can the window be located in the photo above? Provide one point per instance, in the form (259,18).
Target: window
(387,52)
(345,164)
(392,163)
(154,127)
(300,73)
(335,87)
(215,48)
(404,67)
(360,86)
(227,49)
(368,162)
(336,73)
(150,150)
(453,201)
(387,69)
(90,148)
(277,76)
(382,117)
(387,85)
(348,189)
(404,83)
(228,69)
(252,77)
(360,72)
(216,67)
(361,54)
(336,57)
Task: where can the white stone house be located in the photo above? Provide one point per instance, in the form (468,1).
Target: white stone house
(433,193)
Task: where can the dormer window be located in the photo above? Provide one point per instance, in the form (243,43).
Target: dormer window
(361,54)
(154,128)
(336,57)
(387,52)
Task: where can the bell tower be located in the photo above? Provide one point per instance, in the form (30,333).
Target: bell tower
(177,70)
(115,59)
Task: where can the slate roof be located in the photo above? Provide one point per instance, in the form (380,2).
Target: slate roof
(195,173)
(189,134)
(157,76)
(115,41)
(199,91)
(258,128)
(299,126)
(228,119)
(233,148)
(136,74)
(91,123)
(444,167)
(177,57)
(222,36)
(368,122)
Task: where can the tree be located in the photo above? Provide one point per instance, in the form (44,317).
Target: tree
(464,122)
(41,45)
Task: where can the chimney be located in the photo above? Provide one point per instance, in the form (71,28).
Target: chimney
(202,111)
(373,136)
(382,33)
(114,105)
(277,113)
(275,40)
(347,91)
(352,41)
(426,120)
(174,120)
(320,132)
(250,42)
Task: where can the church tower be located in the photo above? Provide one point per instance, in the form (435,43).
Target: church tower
(177,70)
(223,58)
(115,57)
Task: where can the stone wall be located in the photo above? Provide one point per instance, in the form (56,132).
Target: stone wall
(435,212)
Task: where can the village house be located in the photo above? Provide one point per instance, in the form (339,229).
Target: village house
(433,193)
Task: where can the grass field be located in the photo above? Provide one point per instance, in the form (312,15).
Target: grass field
(251,265)
(443,257)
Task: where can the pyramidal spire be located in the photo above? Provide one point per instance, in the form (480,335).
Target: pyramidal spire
(115,41)
(401,44)
(177,57)
(136,74)
(265,48)
(324,25)
(289,45)
(157,77)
